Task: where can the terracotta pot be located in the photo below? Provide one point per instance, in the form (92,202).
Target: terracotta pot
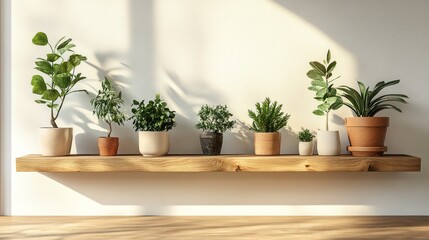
(211,143)
(108,146)
(267,143)
(55,141)
(328,143)
(154,144)
(306,148)
(367,135)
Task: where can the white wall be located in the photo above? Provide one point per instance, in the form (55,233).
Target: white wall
(221,52)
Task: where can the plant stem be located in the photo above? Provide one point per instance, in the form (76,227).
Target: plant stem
(110,128)
(327,121)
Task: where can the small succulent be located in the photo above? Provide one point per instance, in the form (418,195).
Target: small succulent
(305,135)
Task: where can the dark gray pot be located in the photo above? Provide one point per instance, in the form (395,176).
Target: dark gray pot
(211,143)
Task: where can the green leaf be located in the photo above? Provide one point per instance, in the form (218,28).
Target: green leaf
(318,113)
(328,56)
(52,57)
(44,66)
(50,94)
(66,48)
(40,39)
(40,101)
(65,67)
(62,80)
(63,44)
(315,75)
(318,67)
(318,83)
(39,85)
(76,59)
(50,105)
(331,67)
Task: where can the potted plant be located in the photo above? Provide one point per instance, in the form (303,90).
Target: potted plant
(107,107)
(153,121)
(214,121)
(367,133)
(306,145)
(62,77)
(328,142)
(267,121)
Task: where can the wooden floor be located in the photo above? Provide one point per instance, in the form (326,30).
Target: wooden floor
(214,228)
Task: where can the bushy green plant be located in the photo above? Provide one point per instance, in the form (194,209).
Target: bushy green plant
(107,105)
(305,135)
(153,116)
(62,74)
(322,84)
(367,103)
(214,119)
(268,117)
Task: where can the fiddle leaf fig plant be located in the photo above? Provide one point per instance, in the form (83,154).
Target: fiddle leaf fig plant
(153,116)
(214,119)
(107,105)
(322,84)
(367,103)
(60,71)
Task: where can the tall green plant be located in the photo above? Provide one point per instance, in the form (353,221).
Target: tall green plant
(367,103)
(107,105)
(61,72)
(268,116)
(153,116)
(214,119)
(322,84)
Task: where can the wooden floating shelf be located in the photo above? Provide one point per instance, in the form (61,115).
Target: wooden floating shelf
(220,163)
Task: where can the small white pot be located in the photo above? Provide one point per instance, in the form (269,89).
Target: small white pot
(306,148)
(328,143)
(55,141)
(154,144)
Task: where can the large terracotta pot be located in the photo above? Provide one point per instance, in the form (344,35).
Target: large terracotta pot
(367,135)
(108,146)
(328,143)
(267,143)
(211,143)
(154,144)
(55,141)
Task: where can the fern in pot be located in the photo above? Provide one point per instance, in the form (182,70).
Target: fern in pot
(365,131)
(57,82)
(107,107)
(153,121)
(268,119)
(328,142)
(306,145)
(214,121)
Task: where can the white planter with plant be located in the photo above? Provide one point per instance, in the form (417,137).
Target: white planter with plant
(107,107)
(267,121)
(153,121)
(306,145)
(63,77)
(328,142)
(214,121)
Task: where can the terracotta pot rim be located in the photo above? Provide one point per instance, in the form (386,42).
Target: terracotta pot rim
(266,133)
(108,137)
(367,121)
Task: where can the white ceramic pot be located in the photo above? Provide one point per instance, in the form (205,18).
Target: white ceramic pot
(154,144)
(55,141)
(328,143)
(306,148)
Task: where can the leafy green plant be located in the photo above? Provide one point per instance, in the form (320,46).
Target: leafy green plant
(153,116)
(214,119)
(62,74)
(367,103)
(107,105)
(322,84)
(268,117)
(305,135)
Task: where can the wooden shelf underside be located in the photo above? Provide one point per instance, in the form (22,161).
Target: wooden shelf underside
(221,163)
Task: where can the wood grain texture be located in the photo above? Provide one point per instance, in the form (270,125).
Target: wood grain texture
(221,163)
(207,228)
